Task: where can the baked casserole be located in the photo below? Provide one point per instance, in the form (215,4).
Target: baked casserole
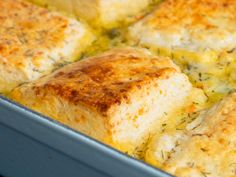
(159,87)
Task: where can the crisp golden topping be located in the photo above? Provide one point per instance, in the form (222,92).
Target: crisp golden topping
(25,28)
(117,97)
(33,41)
(103,81)
(193,24)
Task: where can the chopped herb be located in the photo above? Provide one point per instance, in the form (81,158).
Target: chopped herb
(162,155)
(114,33)
(203,149)
(36,70)
(158,51)
(200,76)
(231,51)
(190,164)
(205,174)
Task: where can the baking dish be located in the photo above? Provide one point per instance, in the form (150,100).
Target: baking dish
(34,145)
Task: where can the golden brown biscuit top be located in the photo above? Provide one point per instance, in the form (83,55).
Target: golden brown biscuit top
(193,12)
(193,24)
(106,80)
(27,30)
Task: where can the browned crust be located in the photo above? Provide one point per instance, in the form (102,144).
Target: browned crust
(24,28)
(103,81)
(191,13)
